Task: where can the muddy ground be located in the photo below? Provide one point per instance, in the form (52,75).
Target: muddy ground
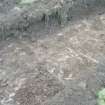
(53,64)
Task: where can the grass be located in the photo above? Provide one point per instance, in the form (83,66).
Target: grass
(24,1)
(101,97)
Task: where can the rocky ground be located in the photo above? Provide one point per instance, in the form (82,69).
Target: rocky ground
(52,64)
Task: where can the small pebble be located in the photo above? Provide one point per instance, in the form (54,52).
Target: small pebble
(83,85)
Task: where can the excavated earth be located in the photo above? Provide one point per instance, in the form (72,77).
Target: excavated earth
(50,63)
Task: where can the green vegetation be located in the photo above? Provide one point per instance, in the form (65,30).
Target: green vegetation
(101,97)
(18,2)
(24,1)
